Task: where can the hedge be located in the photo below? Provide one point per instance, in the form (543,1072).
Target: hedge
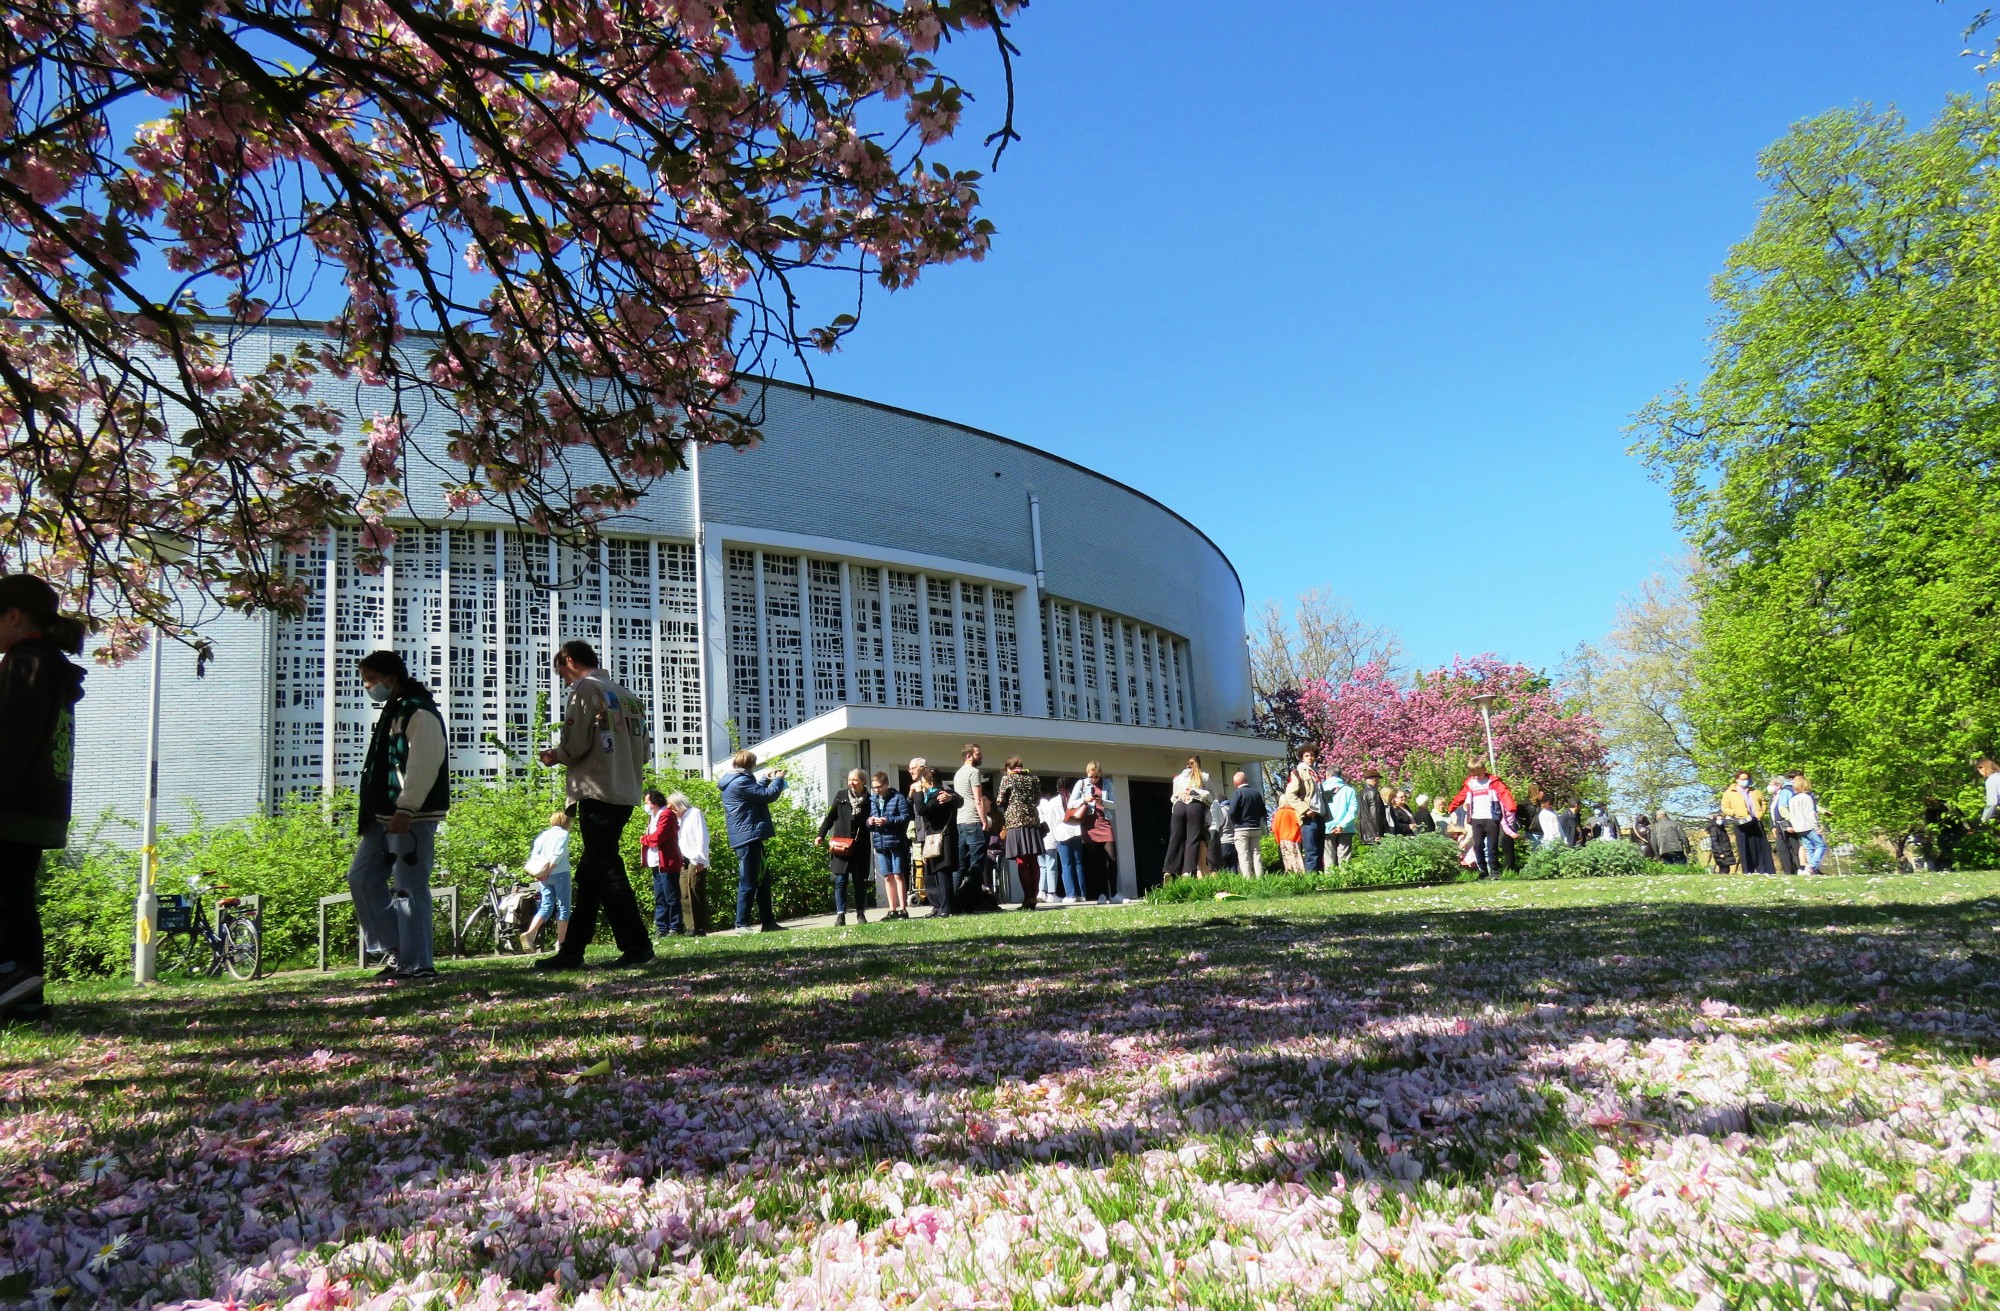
(1394,861)
(300,854)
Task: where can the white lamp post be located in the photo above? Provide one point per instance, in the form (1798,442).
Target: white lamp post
(161,548)
(1484,701)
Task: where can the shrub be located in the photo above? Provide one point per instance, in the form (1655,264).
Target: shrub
(1544,862)
(1424,858)
(1592,860)
(300,854)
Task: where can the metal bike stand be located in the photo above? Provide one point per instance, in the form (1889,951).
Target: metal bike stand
(448,895)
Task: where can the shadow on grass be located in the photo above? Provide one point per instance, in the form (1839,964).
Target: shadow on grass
(1292,1043)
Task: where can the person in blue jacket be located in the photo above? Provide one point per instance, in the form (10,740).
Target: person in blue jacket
(889,818)
(746,812)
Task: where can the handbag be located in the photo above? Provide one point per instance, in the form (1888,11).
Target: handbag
(934,846)
(840,846)
(1077,814)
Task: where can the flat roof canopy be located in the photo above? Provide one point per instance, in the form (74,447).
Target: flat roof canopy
(1047,745)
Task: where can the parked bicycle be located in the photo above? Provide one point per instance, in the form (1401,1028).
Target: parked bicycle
(494,925)
(232,942)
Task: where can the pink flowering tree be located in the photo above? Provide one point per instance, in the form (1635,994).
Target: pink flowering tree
(1429,733)
(563,227)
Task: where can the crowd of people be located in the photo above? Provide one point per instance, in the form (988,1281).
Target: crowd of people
(949,839)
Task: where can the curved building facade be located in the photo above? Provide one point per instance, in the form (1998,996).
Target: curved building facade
(865,586)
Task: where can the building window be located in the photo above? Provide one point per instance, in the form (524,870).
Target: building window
(475,612)
(1108,669)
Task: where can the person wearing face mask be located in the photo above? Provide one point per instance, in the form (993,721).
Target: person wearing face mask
(39,689)
(405,791)
(1743,808)
(603,747)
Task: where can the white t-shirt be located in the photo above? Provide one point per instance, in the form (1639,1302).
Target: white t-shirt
(1051,811)
(552,846)
(1483,802)
(1552,825)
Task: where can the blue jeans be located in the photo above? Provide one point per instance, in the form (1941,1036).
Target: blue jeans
(752,885)
(390,879)
(1312,841)
(1815,849)
(1069,863)
(1051,883)
(666,902)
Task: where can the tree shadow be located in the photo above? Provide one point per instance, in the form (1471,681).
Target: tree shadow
(1297,1045)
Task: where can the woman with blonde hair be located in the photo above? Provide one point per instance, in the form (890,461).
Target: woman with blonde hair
(1090,806)
(548,865)
(1188,825)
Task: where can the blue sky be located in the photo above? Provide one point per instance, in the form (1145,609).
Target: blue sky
(1370,291)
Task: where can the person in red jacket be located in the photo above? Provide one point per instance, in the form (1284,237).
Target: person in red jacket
(661,849)
(1487,802)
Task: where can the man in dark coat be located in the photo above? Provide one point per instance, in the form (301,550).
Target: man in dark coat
(39,689)
(1374,821)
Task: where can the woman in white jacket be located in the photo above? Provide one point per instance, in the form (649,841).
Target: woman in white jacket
(1092,805)
(1189,824)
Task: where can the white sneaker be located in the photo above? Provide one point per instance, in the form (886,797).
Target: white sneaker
(1072,901)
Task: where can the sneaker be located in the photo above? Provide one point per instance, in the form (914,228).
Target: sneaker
(20,987)
(423,975)
(631,960)
(861,917)
(390,971)
(558,962)
(772,927)
(1103,900)
(840,921)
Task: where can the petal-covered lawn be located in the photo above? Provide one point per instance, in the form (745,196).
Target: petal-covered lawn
(1694,1092)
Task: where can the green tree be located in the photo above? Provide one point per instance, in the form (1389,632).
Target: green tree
(1835,470)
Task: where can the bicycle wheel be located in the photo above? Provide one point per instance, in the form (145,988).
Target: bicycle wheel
(476,935)
(187,955)
(242,948)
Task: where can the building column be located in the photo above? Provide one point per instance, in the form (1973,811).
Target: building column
(1033,650)
(329,709)
(713,634)
(1121,828)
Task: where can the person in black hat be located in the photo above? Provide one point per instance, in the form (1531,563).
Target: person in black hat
(1374,821)
(39,689)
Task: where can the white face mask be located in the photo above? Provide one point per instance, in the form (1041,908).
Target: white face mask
(380,693)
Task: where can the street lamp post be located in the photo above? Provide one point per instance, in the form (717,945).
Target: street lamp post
(1484,701)
(161,548)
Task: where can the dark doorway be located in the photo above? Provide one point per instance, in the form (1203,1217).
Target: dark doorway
(1152,810)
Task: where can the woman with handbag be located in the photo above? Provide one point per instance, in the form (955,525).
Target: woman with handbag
(1017,798)
(936,807)
(844,831)
(1090,806)
(889,820)
(1065,840)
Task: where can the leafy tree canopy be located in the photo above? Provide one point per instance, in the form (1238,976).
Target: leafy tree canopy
(1836,469)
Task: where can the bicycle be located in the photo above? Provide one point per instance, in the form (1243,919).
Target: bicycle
(233,942)
(493,927)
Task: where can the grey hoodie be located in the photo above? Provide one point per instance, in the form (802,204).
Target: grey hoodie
(605,742)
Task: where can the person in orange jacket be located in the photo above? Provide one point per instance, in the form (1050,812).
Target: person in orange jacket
(1487,802)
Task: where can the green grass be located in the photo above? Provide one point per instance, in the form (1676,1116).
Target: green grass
(1422,1054)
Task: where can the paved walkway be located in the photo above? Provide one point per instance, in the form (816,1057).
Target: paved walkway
(918,913)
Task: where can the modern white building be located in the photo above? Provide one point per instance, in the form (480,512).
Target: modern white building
(865,586)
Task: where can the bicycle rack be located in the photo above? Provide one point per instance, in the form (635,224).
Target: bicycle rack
(448,895)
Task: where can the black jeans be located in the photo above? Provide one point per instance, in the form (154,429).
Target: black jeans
(600,880)
(20,917)
(1100,870)
(1486,845)
(1185,836)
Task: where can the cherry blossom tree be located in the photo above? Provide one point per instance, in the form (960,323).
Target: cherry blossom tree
(571,228)
(1429,731)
